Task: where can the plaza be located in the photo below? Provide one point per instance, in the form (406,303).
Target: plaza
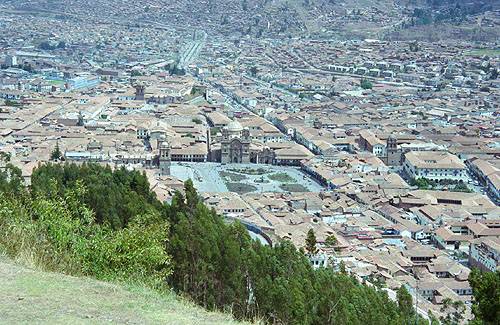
(245,178)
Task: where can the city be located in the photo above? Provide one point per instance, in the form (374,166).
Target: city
(291,117)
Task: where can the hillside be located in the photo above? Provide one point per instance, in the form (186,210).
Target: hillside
(338,19)
(53,298)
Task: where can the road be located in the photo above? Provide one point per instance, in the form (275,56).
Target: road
(192,51)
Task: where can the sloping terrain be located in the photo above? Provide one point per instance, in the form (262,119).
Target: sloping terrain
(28,296)
(343,19)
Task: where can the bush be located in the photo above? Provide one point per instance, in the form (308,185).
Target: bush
(62,234)
(115,196)
(366,84)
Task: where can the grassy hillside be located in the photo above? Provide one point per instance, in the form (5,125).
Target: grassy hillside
(52,298)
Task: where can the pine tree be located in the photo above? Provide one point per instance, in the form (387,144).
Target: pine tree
(405,302)
(56,153)
(311,242)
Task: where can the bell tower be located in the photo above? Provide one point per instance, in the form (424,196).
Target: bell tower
(164,159)
(393,154)
(139,92)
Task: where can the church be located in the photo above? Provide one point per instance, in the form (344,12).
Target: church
(235,143)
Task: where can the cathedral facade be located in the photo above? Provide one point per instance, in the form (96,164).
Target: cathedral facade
(235,144)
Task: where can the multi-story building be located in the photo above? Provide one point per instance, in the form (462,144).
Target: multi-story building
(434,165)
(485,254)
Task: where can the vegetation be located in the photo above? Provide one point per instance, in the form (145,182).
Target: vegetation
(486,291)
(422,183)
(331,241)
(234,177)
(11,103)
(240,188)
(366,84)
(453,11)
(250,171)
(48,46)
(453,312)
(429,184)
(311,248)
(214,131)
(281,177)
(405,303)
(53,298)
(115,197)
(253,71)
(91,220)
(58,232)
(56,154)
(293,188)
(135,73)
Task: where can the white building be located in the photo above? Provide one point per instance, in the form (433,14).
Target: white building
(11,60)
(320,259)
(434,166)
(485,254)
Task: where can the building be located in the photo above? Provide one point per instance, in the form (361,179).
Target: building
(164,160)
(434,165)
(370,142)
(82,82)
(488,174)
(485,254)
(139,92)
(11,60)
(235,144)
(393,154)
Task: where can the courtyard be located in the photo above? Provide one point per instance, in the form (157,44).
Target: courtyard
(244,178)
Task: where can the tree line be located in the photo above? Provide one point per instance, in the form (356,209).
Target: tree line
(92,220)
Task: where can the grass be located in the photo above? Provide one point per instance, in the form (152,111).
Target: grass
(240,188)
(293,188)
(29,296)
(282,177)
(233,177)
(250,171)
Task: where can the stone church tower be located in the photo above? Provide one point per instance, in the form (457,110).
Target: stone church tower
(393,153)
(164,159)
(140,92)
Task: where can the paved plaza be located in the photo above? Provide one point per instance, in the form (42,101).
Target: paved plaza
(207,177)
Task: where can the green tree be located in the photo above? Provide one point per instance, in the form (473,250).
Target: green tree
(342,268)
(253,71)
(433,320)
(311,242)
(56,154)
(331,240)
(486,292)
(453,312)
(405,303)
(11,180)
(422,183)
(116,196)
(135,73)
(366,84)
